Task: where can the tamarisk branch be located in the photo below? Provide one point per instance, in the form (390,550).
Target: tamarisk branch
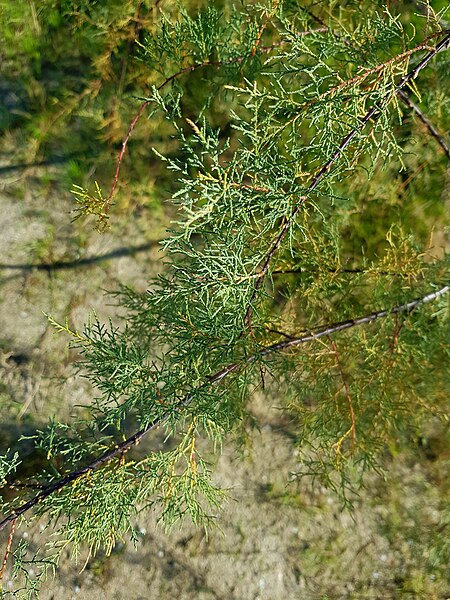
(134,439)
(373,114)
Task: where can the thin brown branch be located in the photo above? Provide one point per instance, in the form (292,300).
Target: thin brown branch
(283,333)
(395,337)
(373,114)
(132,35)
(395,59)
(122,152)
(411,177)
(403,95)
(247,186)
(195,67)
(133,440)
(269,16)
(426,121)
(136,119)
(341,326)
(338,272)
(8,548)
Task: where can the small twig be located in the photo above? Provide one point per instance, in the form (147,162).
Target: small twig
(411,177)
(283,333)
(8,548)
(428,124)
(399,323)
(428,12)
(122,152)
(337,272)
(399,57)
(314,17)
(269,16)
(138,116)
(18,485)
(247,186)
(195,67)
(398,327)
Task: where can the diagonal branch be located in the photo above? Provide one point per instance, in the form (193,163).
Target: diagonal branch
(403,95)
(122,153)
(120,449)
(138,115)
(202,65)
(8,549)
(352,430)
(426,121)
(373,114)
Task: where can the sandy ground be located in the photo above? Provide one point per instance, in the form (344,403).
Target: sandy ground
(275,540)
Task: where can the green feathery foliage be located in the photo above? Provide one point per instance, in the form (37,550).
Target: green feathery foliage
(294,265)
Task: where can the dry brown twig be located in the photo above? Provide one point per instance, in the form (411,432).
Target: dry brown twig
(8,549)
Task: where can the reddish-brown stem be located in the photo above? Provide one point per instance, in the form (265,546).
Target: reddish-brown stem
(136,119)
(122,152)
(8,548)
(398,58)
(411,177)
(265,23)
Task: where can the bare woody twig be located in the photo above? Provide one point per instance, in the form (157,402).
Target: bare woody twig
(268,17)
(373,114)
(120,449)
(428,124)
(122,152)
